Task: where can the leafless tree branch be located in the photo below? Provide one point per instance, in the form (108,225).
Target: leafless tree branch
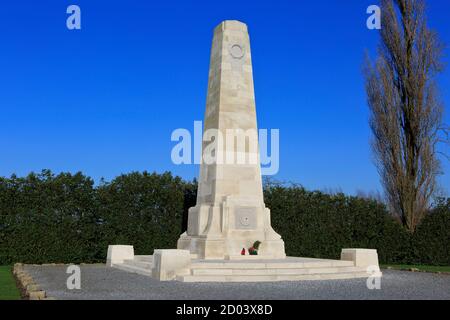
(406,115)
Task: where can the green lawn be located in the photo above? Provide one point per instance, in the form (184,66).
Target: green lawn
(420,268)
(8,289)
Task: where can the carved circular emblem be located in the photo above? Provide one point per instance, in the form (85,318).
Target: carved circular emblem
(244,220)
(237,51)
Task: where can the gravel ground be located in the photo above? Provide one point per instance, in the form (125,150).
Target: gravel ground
(101,282)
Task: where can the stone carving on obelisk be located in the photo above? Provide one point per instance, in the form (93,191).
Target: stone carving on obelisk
(230,213)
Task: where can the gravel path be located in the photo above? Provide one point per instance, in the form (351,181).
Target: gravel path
(101,282)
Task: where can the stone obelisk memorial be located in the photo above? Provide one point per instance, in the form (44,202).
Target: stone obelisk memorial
(230,213)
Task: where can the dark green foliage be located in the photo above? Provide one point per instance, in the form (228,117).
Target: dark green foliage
(141,209)
(431,241)
(256,244)
(317,224)
(47,218)
(190,199)
(65,218)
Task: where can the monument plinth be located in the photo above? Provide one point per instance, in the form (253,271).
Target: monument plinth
(230,213)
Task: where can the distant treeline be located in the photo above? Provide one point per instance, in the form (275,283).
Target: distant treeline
(65,218)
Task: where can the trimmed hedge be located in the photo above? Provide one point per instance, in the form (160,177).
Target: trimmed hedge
(64,218)
(48,218)
(431,241)
(319,225)
(144,210)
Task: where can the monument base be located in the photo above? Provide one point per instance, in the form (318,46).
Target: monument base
(227,248)
(181,265)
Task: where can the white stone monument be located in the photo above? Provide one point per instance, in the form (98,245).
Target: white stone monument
(230,213)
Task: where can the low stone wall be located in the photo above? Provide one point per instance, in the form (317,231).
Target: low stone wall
(29,290)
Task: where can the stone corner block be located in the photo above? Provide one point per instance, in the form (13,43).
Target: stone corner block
(37,295)
(168,263)
(364,258)
(119,253)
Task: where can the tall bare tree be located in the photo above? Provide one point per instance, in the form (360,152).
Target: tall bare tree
(406,113)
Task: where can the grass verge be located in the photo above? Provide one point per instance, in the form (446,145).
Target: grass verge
(8,288)
(419,268)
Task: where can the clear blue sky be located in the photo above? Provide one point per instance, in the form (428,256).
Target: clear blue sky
(104,100)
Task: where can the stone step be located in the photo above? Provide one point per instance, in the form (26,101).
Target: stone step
(281,264)
(268,278)
(248,257)
(147,258)
(134,269)
(273,271)
(255,270)
(139,264)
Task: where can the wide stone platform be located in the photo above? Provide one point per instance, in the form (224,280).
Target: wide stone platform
(252,270)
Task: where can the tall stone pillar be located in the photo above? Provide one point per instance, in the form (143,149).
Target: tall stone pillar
(230,213)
